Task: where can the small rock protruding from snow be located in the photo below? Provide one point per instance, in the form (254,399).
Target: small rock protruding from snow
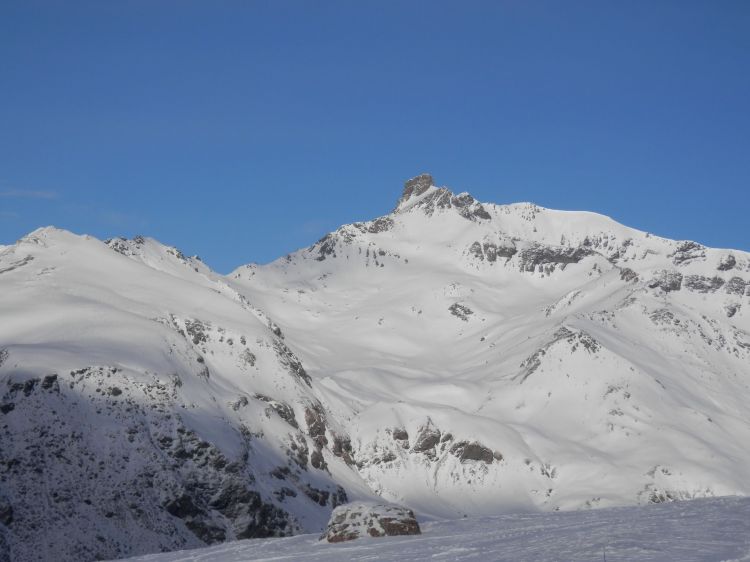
(366,519)
(727,262)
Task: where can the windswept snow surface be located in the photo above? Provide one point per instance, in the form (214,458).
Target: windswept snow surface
(708,530)
(452,356)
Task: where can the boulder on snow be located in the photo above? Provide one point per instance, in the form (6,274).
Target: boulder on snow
(367,519)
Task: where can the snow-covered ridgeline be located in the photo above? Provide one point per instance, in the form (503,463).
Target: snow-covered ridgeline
(455,356)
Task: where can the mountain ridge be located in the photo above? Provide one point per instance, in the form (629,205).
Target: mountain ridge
(458,364)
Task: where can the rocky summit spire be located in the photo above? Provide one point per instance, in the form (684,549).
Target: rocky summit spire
(415,186)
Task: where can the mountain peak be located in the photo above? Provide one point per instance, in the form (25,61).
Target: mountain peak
(421,192)
(415,187)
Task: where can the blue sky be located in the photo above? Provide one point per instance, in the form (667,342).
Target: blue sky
(241,131)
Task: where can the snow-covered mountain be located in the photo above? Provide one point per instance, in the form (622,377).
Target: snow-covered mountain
(454,356)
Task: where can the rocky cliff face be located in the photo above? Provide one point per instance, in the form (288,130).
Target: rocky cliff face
(454,356)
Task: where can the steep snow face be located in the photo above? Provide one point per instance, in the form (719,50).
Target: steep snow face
(145,405)
(487,358)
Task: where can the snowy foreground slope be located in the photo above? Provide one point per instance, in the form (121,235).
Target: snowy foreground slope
(702,530)
(456,357)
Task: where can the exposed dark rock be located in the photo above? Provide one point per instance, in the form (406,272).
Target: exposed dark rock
(416,186)
(318,496)
(668,281)
(316,428)
(315,418)
(299,451)
(476,250)
(248,358)
(253,518)
(197,329)
(584,340)
(326,247)
(732,309)
(317,460)
(49,382)
(491,251)
(382,224)
(364,519)
(401,436)
(3,356)
(290,361)
(342,447)
(17,264)
(465,205)
(195,518)
(281,472)
(701,284)
(628,275)
(662,496)
(472,451)
(384,457)
(481,213)
(427,438)
(119,245)
(275,329)
(155,475)
(284,410)
(442,198)
(736,286)
(461,311)
(339,497)
(727,262)
(539,255)
(183,507)
(27,387)
(534,361)
(687,251)
(282,493)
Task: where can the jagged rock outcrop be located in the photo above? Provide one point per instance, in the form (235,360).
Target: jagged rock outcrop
(727,263)
(547,258)
(491,251)
(735,286)
(667,281)
(687,251)
(415,187)
(440,199)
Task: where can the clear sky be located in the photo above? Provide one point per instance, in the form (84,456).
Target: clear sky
(243,130)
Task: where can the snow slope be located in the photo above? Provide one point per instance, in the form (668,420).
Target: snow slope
(600,365)
(703,530)
(453,356)
(147,406)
